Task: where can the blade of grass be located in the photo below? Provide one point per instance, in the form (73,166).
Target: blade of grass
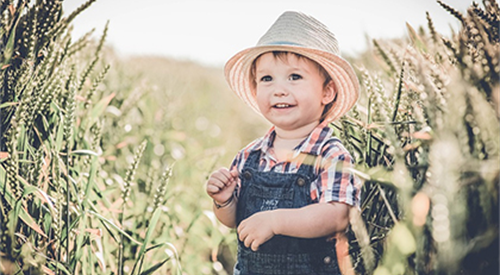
(9,47)
(79,239)
(415,38)
(60,267)
(83,152)
(157,246)
(368,152)
(8,104)
(21,212)
(398,95)
(152,225)
(59,136)
(90,182)
(155,267)
(99,108)
(114,226)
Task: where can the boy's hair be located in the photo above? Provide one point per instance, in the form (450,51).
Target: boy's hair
(282,55)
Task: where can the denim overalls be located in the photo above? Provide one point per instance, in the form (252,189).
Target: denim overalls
(281,255)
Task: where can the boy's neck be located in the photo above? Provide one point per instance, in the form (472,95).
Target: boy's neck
(295,133)
(286,140)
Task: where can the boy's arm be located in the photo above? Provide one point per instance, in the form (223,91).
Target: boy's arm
(311,221)
(220,186)
(227,213)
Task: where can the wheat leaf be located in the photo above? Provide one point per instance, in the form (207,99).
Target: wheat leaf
(59,266)
(59,136)
(21,212)
(8,104)
(155,267)
(9,47)
(151,228)
(114,226)
(416,39)
(92,174)
(83,152)
(398,94)
(100,107)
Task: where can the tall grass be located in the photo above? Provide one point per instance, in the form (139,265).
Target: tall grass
(426,142)
(64,208)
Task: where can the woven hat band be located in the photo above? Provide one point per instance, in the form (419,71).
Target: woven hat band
(299,29)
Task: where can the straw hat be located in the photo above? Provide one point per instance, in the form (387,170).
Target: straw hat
(302,34)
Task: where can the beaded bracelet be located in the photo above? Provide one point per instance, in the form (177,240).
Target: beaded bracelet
(226,203)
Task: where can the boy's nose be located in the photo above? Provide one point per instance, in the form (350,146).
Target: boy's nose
(280,91)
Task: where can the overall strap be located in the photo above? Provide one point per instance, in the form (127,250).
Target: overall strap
(253,160)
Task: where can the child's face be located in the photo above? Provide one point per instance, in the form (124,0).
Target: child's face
(290,91)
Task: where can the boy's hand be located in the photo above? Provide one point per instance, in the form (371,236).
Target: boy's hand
(221,184)
(257,229)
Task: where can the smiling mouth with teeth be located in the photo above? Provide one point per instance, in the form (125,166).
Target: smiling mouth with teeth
(282,105)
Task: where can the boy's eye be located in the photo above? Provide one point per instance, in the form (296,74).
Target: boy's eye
(295,77)
(266,78)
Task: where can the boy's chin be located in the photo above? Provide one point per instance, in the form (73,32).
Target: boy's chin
(295,126)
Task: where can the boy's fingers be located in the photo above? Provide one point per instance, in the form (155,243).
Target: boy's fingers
(240,231)
(213,189)
(255,245)
(234,173)
(216,182)
(231,184)
(247,242)
(225,172)
(247,239)
(223,176)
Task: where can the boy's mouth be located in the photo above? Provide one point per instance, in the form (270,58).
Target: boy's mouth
(282,105)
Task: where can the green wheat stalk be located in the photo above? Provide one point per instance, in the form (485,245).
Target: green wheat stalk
(79,10)
(81,43)
(384,56)
(125,194)
(12,162)
(95,84)
(161,190)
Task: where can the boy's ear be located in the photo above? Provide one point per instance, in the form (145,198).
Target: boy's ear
(329,93)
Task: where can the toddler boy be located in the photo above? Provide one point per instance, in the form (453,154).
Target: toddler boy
(290,191)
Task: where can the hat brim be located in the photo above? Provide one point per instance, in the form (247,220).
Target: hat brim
(237,73)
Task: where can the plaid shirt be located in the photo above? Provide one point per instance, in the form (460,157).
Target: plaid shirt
(332,164)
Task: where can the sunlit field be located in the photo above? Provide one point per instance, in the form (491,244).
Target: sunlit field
(103,158)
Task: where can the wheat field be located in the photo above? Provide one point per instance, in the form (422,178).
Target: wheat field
(103,158)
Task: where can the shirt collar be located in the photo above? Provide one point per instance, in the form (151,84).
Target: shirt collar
(311,145)
(266,141)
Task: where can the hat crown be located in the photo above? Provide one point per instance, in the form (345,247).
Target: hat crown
(299,29)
